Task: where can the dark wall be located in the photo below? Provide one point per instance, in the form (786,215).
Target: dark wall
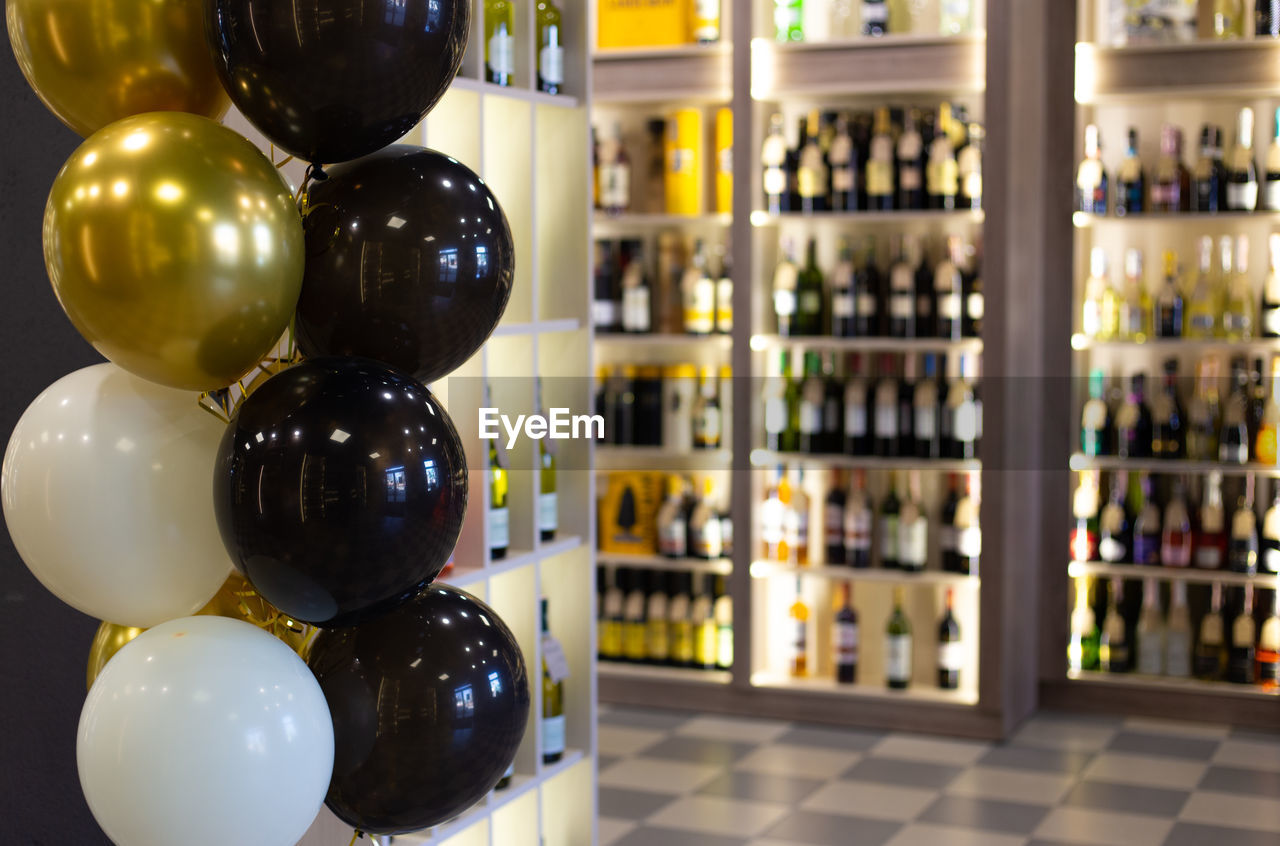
(43,643)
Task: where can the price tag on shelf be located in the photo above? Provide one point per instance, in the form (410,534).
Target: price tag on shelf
(553,656)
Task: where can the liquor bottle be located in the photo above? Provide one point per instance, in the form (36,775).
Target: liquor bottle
(925,406)
(875,17)
(833,520)
(974,300)
(1269,561)
(950,647)
(1169,305)
(657,611)
(898,646)
(1242,172)
(969,164)
(704,525)
(1242,655)
(890,510)
(1233,441)
(1211,539)
(869,310)
(1238,322)
(793,168)
(1267,19)
(1113,646)
(1257,408)
(812,398)
(773,157)
(606,305)
(773,519)
(963,415)
(799,634)
(1150,631)
(635,632)
(614,172)
(1134,423)
(1091,177)
(1082,647)
(1171,187)
(1115,540)
(611,631)
(790,441)
(498,522)
(1209,180)
(499,42)
(942,176)
(810,310)
(1265,441)
(1210,663)
(857,434)
(910,163)
(785,282)
(844,167)
(636,314)
(967,527)
(1146,529)
(796,525)
(885,416)
(722,612)
(723,295)
(948,286)
(550,48)
(1268,652)
(554,672)
(1228,19)
(1084,512)
(1168,420)
(705,21)
(1095,419)
(702,614)
(680,619)
(902,291)
(832,406)
(1131,182)
(706,412)
(655,173)
(1204,414)
(548,506)
(926,307)
(1135,307)
(1177,633)
(775,404)
(880,162)
(699,294)
(673,530)
(1242,546)
(844,641)
(1269,314)
(1175,540)
(812,177)
(906,407)
(913,529)
(1203,305)
(843,294)
(788,20)
(857,523)
(1096,290)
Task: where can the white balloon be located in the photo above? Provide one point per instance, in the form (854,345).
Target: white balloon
(205,731)
(108,495)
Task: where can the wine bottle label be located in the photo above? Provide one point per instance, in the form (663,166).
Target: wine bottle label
(635,310)
(771,522)
(797,526)
(553,657)
(855,421)
(1175,551)
(1111,550)
(889,538)
(551,64)
(605,313)
(846,643)
(810,302)
(969,542)
(833,525)
(1242,196)
(724,646)
(1270,321)
(875,11)
(502,46)
(1116,655)
(1209,557)
(499,528)
(548,512)
(1268,667)
(902,305)
(724,305)
(1146,549)
(887,420)
(810,418)
(1177,654)
(553,735)
(615,186)
(926,423)
(913,547)
(975,306)
(708,425)
(964,423)
(611,639)
(812,175)
(949,303)
(898,657)
(1270,559)
(704,643)
(879,178)
(784,302)
(635,639)
(1150,654)
(866,304)
(951,656)
(948,176)
(673,539)
(775,414)
(799,638)
(910,178)
(682,642)
(657,640)
(775,181)
(842,306)
(842,179)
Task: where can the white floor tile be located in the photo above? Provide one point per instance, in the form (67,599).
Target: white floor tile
(1103,828)
(612,830)
(1065,736)
(1148,725)
(729,728)
(1010,785)
(622,741)
(1212,808)
(671,777)
(806,761)
(930,751)
(1145,770)
(923,834)
(1250,756)
(716,815)
(872,801)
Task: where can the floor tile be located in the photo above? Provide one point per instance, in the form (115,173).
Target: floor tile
(1012,785)
(930,750)
(654,836)
(829,738)
(925,834)
(1067,735)
(815,829)
(673,777)
(1242,781)
(637,805)
(606,761)
(1148,725)
(763,787)
(1248,754)
(1102,828)
(905,773)
(1056,761)
(1145,771)
(718,815)
(622,742)
(1172,746)
(772,842)
(1195,834)
(650,718)
(734,728)
(802,761)
(611,830)
(699,750)
(868,800)
(985,814)
(1254,735)
(1127,798)
(1242,811)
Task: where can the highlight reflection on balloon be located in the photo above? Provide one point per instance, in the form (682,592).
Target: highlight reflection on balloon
(109,639)
(93,62)
(175,248)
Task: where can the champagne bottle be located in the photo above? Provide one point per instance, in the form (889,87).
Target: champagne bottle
(1114,531)
(550,48)
(845,637)
(1203,305)
(548,507)
(1171,188)
(1269,314)
(1134,424)
(635,631)
(1211,649)
(1242,548)
(554,671)
(1175,541)
(1242,656)
(657,633)
(1082,648)
(1169,303)
(1211,539)
(1146,529)
(1150,632)
(611,631)
(773,156)
(679,619)
(499,517)
(722,611)
(499,42)
(1096,289)
(1209,179)
(950,647)
(1268,672)
(898,646)
(1113,649)
(1095,419)
(1084,510)
(1131,181)
(1177,633)
(1233,441)
(1168,420)
(1238,323)
(704,624)
(1135,307)
(1091,176)
(799,634)
(1242,172)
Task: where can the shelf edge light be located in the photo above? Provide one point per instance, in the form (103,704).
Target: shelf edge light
(1086,72)
(762,63)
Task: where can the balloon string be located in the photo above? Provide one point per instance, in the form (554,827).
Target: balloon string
(283,162)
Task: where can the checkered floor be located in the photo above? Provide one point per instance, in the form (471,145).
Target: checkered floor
(679,779)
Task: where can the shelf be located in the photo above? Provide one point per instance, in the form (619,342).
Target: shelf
(864,691)
(898,64)
(541,327)
(1080,461)
(1202,220)
(763,569)
(1173,345)
(514,560)
(662,75)
(512,92)
(871,344)
(1163,683)
(614,669)
(637,339)
(877,218)
(638,222)
(1235,69)
(720,566)
(1171,574)
(612,457)
(768,458)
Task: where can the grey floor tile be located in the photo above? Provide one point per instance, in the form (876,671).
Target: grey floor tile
(1194,834)
(653,836)
(1256,735)
(830,738)
(1127,798)
(904,773)
(650,718)
(761,787)
(608,760)
(832,830)
(1165,745)
(985,814)
(1241,781)
(1037,759)
(631,804)
(699,750)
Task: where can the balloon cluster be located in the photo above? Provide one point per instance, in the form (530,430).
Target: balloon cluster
(272,638)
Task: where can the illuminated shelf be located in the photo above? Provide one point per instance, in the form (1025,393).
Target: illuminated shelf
(541,98)
(1202,220)
(1170,345)
(880,218)
(919,693)
(1170,574)
(691,73)
(720,566)
(1079,461)
(873,344)
(894,64)
(635,222)
(612,457)
(768,458)
(649,339)
(763,569)
(1165,683)
(541,327)
(620,670)
(1240,70)
(462,577)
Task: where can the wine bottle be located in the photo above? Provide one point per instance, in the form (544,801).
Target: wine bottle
(913,528)
(657,632)
(1242,547)
(809,319)
(788,20)
(1169,304)
(845,637)
(1150,631)
(1091,177)
(1211,539)
(925,405)
(635,631)
(704,525)
(1265,441)
(679,619)
(943,172)
(636,313)
(706,412)
(1210,663)
(1115,533)
(702,613)
(1175,539)
(1084,511)
(1146,529)
(1209,180)
(673,531)
(1177,633)
(699,293)
(869,310)
(773,157)
(1233,441)
(1268,652)
(910,163)
(1134,423)
(796,526)
(1171,187)
(969,163)
(724,295)
(1269,314)
(880,162)
(1095,419)
(975,303)
(844,167)
(775,403)
(906,407)
(812,177)
(832,406)
(1269,562)
(1082,647)
(1204,414)
(962,423)
(950,647)
(705,21)
(1238,323)
(1242,172)
(843,294)
(1257,409)
(947,543)
(1270,200)
(885,417)
(499,42)
(890,509)
(875,17)
(1267,19)
(812,399)
(1168,420)
(926,316)
(833,512)
(799,658)
(857,522)
(948,286)
(555,670)
(857,435)
(1113,647)
(722,611)
(548,508)
(1096,289)
(902,291)
(1131,181)
(898,646)
(611,625)
(1203,304)
(1242,655)
(1135,307)
(550,48)
(498,522)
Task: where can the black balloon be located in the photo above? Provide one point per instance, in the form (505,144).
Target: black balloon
(429,703)
(409,261)
(339,489)
(333,81)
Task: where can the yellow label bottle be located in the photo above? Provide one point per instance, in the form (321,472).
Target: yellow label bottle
(684,162)
(724,161)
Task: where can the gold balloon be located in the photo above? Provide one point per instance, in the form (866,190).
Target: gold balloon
(93,62)
(109,640)
(175,248)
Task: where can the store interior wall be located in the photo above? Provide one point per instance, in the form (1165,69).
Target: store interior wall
(43,643)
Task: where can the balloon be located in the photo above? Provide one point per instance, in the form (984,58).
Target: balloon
(429,704)
(409,261)
(335,81)
(205,731)
(109,640)
(93,62)
(340,489)
(175,248)
(103,496)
